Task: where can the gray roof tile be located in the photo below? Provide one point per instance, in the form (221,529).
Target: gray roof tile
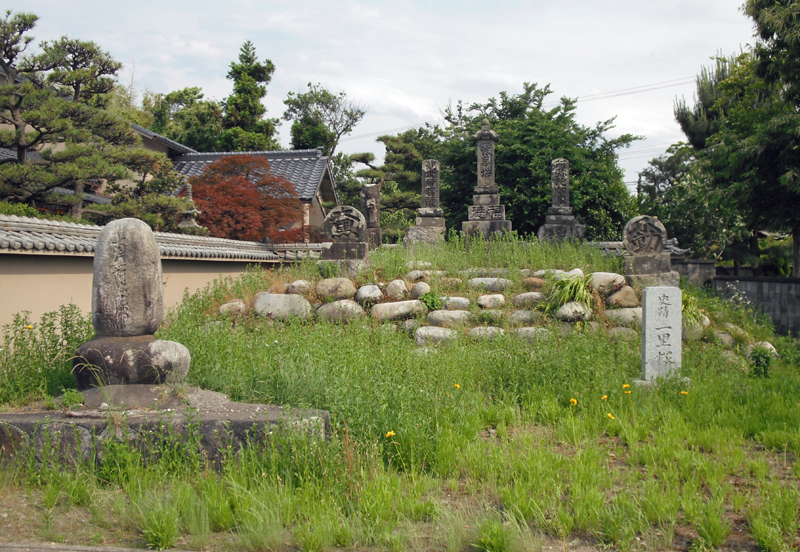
(303,168)
(20,234)
(172,144)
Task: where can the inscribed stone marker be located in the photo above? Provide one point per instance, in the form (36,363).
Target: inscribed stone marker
(430,184)
(127,291)
(661,331)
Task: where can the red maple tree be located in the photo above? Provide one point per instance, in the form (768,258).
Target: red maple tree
(241,199)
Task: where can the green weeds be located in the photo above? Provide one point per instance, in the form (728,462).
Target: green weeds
(497,445)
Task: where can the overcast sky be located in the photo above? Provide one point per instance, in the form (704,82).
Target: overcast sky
(406,59)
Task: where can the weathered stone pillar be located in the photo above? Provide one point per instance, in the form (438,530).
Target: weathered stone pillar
(486,215)
(430,222)
(371,206)
(560,224)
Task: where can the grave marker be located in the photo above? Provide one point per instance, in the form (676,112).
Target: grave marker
(430,224)
(661,331)
(560,224)
(486,216)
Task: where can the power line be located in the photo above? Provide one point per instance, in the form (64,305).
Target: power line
(590,98)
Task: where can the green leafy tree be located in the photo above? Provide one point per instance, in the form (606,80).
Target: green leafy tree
(530,138)
(676,189)
(321,118)
(186,117)
(244,125)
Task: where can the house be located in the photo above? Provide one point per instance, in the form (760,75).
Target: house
(308,170)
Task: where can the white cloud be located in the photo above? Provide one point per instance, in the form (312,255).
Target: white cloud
(407,58)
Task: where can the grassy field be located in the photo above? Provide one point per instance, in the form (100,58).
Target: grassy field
(477,445)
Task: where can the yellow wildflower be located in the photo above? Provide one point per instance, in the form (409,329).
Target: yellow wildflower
(627,392)
(604,397)
(573,402)
(390,434)
(684,392)
(610,415)
(29,327)
(626,385)
(457,386)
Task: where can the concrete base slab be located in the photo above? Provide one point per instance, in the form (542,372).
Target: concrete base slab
(144,414)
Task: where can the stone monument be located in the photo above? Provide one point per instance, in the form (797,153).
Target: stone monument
(560,224)
(127,309)
(661,331)
(486,215)
(346,227)
(430,226)
(647,263)
(371,205)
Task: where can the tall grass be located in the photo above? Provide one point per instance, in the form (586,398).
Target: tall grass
(490,444)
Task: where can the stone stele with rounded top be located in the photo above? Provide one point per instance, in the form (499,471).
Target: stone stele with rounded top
(345,224)
(644,235)
(127,290)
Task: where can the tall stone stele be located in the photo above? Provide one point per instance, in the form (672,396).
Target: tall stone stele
(486,216)
(647,264)
(127,309)
(560,224)
(430,224)
(661,331)
(371,206)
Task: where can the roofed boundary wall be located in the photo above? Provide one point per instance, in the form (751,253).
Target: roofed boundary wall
(45,264)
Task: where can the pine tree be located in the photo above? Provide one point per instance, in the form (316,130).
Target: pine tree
(245,128)
(52,102)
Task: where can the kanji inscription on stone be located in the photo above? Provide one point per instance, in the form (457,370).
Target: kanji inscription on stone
(559,180)
(661,331)
(345,224)
(644,235)
(430,184)
(486,138)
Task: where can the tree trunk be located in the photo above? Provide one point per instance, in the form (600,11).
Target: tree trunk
(76,209)
(755,252)
(796,252)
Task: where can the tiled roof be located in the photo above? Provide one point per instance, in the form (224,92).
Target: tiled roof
(303,168)
(7,154)
(23,234)
(172,144)
(91,198)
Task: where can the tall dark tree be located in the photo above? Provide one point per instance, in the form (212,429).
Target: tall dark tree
(754,156)
(245,127)
(778,63)
(321,118)
(702,120)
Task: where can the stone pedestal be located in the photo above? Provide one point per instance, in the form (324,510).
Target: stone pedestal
(486,216)
(560,224)
(141,359)
(342,251)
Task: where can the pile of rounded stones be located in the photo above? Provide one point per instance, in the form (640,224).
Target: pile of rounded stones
(399,301)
